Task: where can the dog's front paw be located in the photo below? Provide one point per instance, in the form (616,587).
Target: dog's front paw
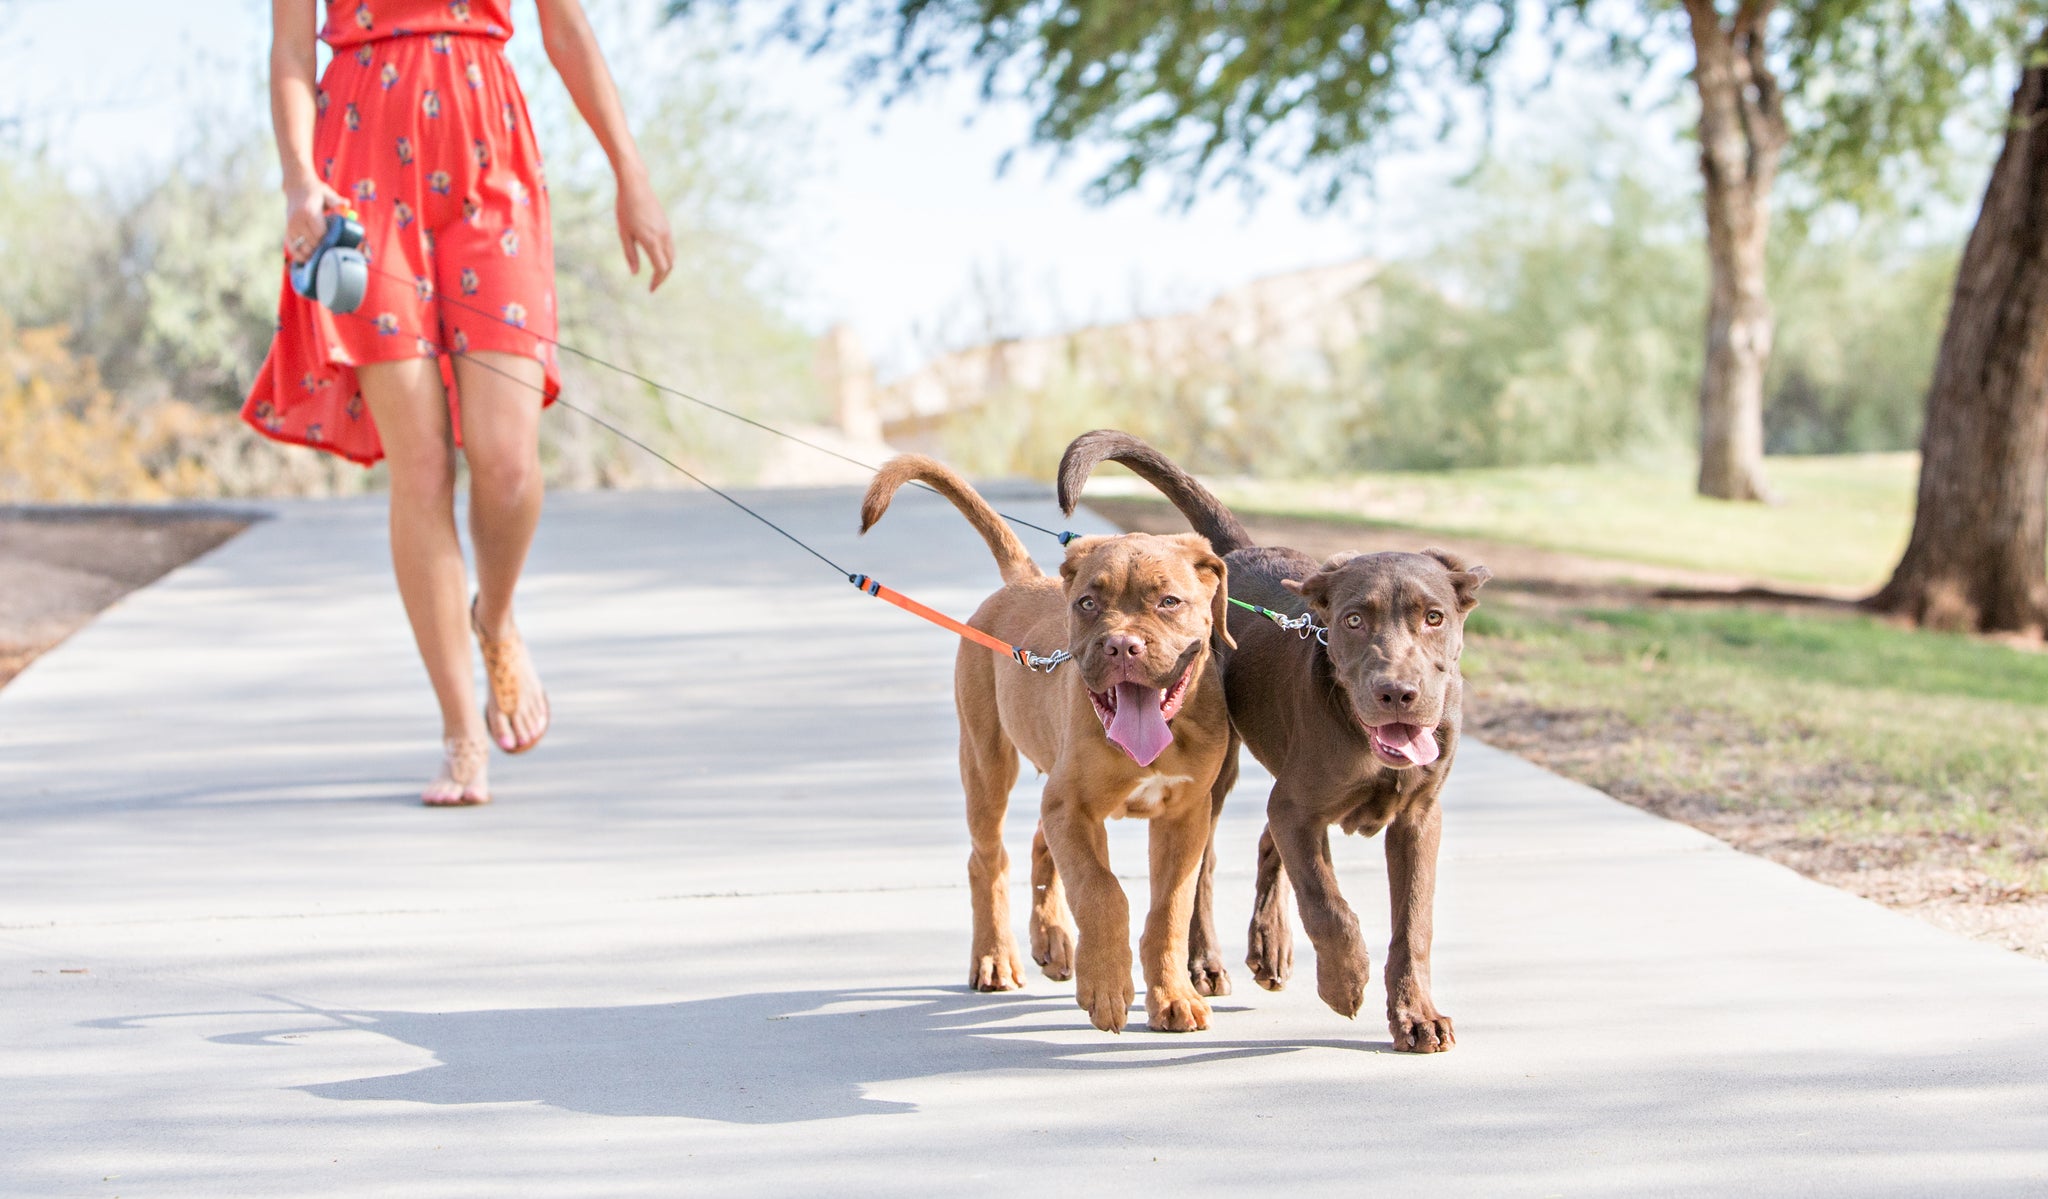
(1341,979)
(1052,947)
(997,970)
(1207,975)
(1427,1031)
(1271,955)
(1175,1009)
(1105,993)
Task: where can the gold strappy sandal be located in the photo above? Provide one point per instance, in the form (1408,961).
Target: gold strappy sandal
(501,672)
(462,763)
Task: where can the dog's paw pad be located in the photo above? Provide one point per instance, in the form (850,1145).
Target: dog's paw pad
(1209,977)
(1342,984)
(1271,958)
(1421,1034)
(1167,1011)
(1108,1006)
(996,972)
(1053,949)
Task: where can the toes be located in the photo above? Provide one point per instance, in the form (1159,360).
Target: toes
(1427,1034)
(996,972)
(1055,955)
(501,727)
(1209,977)
(1169,1012)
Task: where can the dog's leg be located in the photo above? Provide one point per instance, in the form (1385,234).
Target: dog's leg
(1271,942)
(1171,1002)
(1052,925)
(1205,955)
(1102,960)
(988,769)
(1342,964)
(1412,841)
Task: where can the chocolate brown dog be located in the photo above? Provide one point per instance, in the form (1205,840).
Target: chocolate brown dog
(1135,725)
(1359,733)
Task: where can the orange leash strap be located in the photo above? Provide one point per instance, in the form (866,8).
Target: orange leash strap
(1023,657)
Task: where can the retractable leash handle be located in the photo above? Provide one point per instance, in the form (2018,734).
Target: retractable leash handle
(335,274)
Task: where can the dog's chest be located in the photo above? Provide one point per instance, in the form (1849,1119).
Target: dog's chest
(1148,798)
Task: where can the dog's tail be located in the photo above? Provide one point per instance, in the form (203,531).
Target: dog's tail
(1011,557)
(1203,510)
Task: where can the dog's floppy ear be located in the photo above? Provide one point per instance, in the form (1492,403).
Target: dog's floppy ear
(1466,580)
(1315,588)
(1218,572)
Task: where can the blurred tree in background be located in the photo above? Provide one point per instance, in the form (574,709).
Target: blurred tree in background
(1860,91)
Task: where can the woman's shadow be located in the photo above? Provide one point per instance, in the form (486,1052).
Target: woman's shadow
(760,1058)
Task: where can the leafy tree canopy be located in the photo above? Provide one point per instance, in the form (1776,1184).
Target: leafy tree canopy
(1201,91)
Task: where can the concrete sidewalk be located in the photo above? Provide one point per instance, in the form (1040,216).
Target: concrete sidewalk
(711,938)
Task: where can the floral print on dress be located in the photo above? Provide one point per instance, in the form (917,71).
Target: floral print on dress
(364,20)
(453,203)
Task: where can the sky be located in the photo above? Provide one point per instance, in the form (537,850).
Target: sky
(895,212)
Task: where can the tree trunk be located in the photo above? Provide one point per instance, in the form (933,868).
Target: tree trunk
(1978,557)
(1742,137)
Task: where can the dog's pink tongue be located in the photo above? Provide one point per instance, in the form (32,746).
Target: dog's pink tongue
(1411,741)
(1139,725)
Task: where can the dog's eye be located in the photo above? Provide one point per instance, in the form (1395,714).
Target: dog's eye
(1434,618)
(1353,621)
(1169,601)
(1086,603)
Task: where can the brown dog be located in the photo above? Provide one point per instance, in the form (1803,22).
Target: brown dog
(1359,733)
(1135,725)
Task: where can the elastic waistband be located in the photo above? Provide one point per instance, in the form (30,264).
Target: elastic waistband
(471,40)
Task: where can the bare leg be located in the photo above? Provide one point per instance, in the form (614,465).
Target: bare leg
(501,399)
(411,410)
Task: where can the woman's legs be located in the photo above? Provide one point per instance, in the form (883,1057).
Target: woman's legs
(501,402)
(410,407)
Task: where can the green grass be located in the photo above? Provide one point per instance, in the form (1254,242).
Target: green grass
(1843,521)
(1910,745)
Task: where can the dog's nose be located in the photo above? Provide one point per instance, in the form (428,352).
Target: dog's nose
(1397,695)
(1123,645)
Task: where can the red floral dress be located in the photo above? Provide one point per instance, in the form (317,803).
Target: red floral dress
(423,126)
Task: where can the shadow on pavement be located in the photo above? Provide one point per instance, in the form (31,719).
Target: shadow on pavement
(760,1058)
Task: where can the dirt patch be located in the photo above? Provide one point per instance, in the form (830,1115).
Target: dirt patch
(1933,877)
(62,567)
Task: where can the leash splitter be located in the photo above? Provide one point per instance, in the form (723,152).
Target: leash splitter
(1304,625)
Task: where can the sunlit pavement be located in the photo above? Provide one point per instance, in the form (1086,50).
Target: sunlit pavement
(712,936)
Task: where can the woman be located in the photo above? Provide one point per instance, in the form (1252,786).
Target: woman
(419,126)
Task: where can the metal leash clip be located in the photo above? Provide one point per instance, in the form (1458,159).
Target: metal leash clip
(1040,663)
(1305,625)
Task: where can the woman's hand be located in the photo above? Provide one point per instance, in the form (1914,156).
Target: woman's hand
(643,227)
(306,205)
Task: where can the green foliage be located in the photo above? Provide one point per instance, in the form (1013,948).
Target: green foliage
(715,329)
(1559,323)
(1859,321)
(1201,90)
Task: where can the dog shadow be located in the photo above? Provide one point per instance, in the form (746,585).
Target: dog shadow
(774,1057)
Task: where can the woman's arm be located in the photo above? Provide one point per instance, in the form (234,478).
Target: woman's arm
(572,48)
(294,26)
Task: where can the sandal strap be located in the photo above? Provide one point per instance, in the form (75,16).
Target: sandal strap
(465,758)
(502,658)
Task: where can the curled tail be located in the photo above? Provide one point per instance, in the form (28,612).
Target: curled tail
(1204,511)
(1011,558)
